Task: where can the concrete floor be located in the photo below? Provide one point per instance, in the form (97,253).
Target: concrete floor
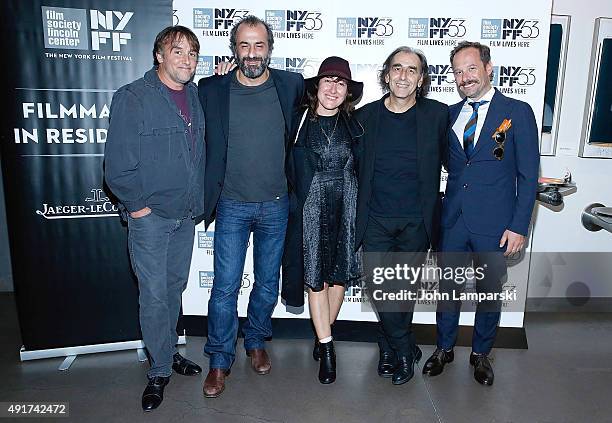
(564,376)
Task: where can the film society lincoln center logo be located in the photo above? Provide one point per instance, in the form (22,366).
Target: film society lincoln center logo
(72,29)
(206,241)
(207,64)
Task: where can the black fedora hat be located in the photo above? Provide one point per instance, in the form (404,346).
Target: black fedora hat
(336,66)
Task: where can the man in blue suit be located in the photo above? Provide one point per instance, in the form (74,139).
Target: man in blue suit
(491,190)
(251,119)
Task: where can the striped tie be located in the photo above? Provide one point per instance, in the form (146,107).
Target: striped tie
(470,128)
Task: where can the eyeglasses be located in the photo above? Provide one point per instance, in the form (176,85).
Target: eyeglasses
(500,139)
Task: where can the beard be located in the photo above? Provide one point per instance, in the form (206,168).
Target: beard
(251,71)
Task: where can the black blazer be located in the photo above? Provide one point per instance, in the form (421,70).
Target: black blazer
(214,93)
(432,147)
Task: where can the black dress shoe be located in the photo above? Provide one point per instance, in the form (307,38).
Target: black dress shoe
(153,394)
(185,367)
(435,364)
(483,371)
(327,364)
(387,362)
(316,350)
(417,354)
(404,371)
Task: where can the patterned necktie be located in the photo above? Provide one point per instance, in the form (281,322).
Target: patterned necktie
(470,128)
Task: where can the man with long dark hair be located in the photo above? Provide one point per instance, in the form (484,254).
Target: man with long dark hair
(399,160)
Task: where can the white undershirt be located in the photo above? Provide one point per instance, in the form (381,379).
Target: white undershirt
(466,112)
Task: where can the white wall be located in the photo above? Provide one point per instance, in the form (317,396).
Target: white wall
(562,231)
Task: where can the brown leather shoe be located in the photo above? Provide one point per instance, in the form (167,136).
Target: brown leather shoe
(214,384)
(260,361)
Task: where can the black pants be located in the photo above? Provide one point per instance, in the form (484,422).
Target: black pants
(386,234)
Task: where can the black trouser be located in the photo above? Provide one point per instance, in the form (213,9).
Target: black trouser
(386,234)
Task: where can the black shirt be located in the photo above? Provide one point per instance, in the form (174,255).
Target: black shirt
(395,188)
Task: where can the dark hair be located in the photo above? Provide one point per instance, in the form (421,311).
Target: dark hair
(485,52)
(171,34)
(386,68)
(250,20)
(313,102)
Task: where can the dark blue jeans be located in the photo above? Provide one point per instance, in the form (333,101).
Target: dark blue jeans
(160,252)
(234,222)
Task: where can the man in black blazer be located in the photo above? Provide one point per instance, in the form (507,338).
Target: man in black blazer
(251,118)
(399,162)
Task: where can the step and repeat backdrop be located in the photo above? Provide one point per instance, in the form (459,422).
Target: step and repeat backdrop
(68,246)
(364,33)
(66,58)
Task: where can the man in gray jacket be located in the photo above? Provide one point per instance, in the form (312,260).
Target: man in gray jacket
(154,164)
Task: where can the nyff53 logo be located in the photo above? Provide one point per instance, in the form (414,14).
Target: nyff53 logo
(294,20)
(364,27)
(513,76)
(355,294)
(364,68)
(436,28)
(441,74)
(513,28)
(304,65)
(219,59)
(213,18)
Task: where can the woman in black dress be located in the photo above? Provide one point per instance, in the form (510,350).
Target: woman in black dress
(320,243)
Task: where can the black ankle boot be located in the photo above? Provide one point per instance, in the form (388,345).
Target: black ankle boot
(327,365)
(316,350)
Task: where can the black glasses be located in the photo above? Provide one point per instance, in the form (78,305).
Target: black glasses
(500,139)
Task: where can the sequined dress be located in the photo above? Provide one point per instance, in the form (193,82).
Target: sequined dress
(330,207)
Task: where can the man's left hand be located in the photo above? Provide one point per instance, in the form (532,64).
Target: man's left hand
(223,68)
(515,242)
